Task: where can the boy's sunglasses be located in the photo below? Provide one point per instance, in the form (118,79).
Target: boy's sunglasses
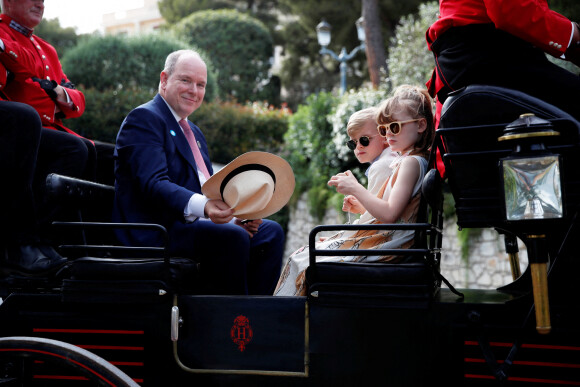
(364,141)
(393,127)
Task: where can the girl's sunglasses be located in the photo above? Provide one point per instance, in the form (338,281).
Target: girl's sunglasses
(393,127)
(364,141)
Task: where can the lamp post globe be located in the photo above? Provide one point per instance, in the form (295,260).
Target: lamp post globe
(323,34)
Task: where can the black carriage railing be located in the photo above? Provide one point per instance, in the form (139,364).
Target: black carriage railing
(130,250)
(427,227)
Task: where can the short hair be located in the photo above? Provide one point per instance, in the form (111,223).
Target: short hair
(359,119)
(417,102)
(174,57)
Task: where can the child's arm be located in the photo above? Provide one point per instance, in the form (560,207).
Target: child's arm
(385,210)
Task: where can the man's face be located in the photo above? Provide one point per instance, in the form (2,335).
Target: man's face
(185,88)
(26,12)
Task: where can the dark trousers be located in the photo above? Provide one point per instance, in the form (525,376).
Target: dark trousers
(19,140)
(482,54)
(28,153)
(230,261)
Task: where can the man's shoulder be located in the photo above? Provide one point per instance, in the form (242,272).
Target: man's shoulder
(151,107)
(148,115)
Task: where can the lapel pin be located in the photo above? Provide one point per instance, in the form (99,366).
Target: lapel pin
(172,133)
(198,144)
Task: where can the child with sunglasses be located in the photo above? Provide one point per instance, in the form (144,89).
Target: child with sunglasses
(393,198)
(371,148)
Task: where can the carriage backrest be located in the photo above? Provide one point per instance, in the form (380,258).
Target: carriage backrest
(471,122)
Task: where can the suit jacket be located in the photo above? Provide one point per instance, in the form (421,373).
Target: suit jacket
(530,20)
(155,171)
(27,55)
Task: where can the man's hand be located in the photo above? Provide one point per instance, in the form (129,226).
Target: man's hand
(251,226)
(218,211)
(48,87)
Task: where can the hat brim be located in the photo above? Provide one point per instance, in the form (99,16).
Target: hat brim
(284,188)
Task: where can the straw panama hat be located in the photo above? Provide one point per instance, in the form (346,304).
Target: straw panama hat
(255,184)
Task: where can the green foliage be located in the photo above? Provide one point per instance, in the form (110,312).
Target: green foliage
(232,129)
(62,39)
(409,59)
(114,62)
(301,72)
(105,111)
(239,46)
(568,8)
(175,10)
(307,141)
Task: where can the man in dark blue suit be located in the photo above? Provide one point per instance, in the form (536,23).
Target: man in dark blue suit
(159,181)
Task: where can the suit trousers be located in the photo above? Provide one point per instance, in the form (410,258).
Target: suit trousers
(230,261)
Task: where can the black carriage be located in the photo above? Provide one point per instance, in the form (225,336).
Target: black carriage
(117,316)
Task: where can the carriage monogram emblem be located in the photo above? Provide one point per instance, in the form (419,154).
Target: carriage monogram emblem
(241,332)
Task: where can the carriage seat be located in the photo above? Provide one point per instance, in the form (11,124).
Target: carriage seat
(409,284)
(99,258)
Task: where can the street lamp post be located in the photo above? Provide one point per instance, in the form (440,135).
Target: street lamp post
(323,34)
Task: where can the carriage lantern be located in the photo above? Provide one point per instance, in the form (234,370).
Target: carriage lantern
(533,192)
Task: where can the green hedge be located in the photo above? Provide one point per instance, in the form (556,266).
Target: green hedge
(311,154)
(240,47)
(115,62)
(232,129)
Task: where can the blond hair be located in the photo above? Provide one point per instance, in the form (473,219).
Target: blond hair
(417,102)
(359,119)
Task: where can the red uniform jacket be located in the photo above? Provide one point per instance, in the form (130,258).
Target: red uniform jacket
(29,56)
(530,20)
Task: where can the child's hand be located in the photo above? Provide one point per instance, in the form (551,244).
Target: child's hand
(345,183)
(351,204)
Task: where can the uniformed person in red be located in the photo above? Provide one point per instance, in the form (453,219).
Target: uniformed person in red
(40,82)
(36,65)
(503,43)
(33,140)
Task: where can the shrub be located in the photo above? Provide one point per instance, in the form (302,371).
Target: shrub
(410,61)
(239,45)
(113,62)
(311,155)
(232,129)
